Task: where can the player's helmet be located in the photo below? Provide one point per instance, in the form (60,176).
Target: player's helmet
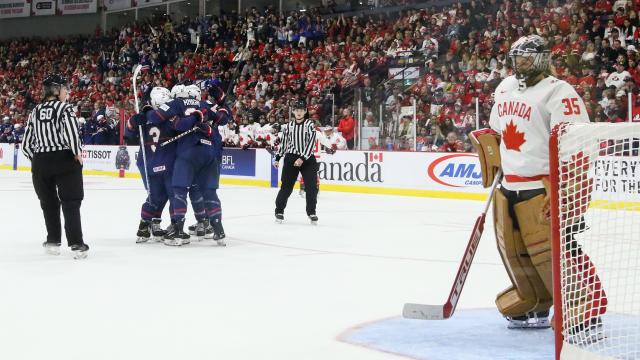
(52,83)
(178,91)
(300,104)
(159,96)
(217,94)
(193,92)
(534,48)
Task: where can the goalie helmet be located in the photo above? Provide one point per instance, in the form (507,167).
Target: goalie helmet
(530,57)
(159,96)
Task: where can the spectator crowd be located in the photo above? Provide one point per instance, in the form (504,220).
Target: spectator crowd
(333,61)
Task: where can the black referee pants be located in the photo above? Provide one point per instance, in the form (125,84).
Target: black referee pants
(57,179)
(309,170)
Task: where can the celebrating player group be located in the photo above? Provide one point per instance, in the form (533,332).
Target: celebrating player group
(181,155)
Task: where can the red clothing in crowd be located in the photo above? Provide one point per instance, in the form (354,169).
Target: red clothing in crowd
(347,127)
(457,146)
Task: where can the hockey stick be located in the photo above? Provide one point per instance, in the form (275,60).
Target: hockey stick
(134,82)
(442,312)
(177,137)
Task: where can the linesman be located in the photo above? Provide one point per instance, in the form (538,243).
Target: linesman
(298,141)
(52,143)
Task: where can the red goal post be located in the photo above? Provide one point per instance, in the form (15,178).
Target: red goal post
(595,224)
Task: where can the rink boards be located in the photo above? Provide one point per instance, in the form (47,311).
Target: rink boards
(439,175)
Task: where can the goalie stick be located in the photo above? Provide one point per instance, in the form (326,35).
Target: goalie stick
(443,312)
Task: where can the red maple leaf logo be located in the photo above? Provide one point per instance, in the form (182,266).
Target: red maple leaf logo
(512,138)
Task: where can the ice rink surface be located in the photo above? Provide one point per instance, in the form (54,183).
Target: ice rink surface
(290,291)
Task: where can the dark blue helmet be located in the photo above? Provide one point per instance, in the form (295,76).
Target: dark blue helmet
(217,94)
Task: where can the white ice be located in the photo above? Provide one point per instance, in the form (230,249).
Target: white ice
(275,292)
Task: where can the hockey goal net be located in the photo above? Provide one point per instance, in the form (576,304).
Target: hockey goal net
(595,220)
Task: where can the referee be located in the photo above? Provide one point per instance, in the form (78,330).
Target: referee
(298,141)
(52,143)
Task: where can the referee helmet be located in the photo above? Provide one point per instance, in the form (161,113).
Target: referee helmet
(52,83)
(300,104)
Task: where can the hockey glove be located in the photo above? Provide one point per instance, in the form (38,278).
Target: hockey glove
(198,115)
(135,121)
(205,129)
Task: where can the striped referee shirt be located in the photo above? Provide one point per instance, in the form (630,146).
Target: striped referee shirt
(298,139)
(52,126)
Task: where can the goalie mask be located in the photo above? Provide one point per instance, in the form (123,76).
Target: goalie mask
(530,57)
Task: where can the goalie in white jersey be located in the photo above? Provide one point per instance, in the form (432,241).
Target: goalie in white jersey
(527,107)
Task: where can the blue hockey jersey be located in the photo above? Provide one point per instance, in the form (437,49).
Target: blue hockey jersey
(160,159)
(177,112)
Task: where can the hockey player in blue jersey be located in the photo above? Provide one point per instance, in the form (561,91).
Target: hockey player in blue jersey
(196,198)
(195,161)
(160,160)
(217,114)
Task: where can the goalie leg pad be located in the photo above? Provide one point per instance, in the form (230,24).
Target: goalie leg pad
(527,293)
(536,233)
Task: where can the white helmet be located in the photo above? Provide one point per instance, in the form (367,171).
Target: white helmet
(159,96)
(193,92)
(178,91)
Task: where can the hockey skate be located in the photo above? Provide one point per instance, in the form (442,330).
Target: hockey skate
(314,219)
(192,229)
(202,230)
(279,218)
(51,248)
(532,320)
(175,236)
(80,251)
(218,233)
(144,232)
(156,230)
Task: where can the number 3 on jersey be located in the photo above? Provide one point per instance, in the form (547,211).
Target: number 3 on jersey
(154,132)
(571,106)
